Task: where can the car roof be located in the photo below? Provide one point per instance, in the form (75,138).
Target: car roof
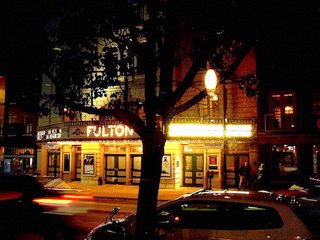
(262,197)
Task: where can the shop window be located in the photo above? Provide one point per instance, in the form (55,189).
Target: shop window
(284,163)
(316,160)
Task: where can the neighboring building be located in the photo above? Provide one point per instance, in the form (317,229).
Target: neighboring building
(95,150)
(288,122)
(18,136)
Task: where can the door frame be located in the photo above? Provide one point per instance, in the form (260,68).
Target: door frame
(113,173)
(231,178)
(56,164)
(196,177)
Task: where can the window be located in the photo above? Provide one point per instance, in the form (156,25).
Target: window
(282,109)
(221,216)
(284,163)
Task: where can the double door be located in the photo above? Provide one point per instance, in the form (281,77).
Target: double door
(53,164)
(115,171)
(193,172)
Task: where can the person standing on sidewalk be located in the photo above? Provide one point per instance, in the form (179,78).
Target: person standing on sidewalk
(244,175)
(253,175)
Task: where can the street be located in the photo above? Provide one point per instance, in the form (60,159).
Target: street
(94,212)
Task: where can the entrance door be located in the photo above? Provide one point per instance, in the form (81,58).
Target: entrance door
(193,170)
(115,169)
(136,168)
(78,166)
(54,164)
(232,165)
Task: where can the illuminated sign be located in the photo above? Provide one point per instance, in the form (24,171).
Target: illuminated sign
(209,130)
(238,130)
(112,131)
(195,130)
(49,134)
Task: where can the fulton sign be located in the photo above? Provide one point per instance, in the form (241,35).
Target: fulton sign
(113,131)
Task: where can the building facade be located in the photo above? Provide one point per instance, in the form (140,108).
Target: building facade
(288,130)
(216,135)
(18,136)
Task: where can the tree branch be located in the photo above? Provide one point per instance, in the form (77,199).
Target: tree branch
(185,106)
(127,117)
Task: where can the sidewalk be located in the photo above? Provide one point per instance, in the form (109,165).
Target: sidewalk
(122,191)
(119,191)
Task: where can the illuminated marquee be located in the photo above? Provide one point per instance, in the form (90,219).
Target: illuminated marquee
(49,134)
(195,130)
(109,131)
(238,130)
(209,130)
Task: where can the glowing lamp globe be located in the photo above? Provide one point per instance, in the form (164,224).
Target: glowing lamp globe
(210,80)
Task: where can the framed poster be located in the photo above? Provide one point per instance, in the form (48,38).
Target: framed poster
(66,162)
(213,161)
(166,170)
(88,164)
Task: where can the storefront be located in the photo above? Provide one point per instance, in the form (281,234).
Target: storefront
(111,153)
(18,160)
(290,160)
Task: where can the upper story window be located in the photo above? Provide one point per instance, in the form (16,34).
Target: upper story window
(282,111)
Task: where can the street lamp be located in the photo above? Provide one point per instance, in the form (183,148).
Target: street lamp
(210,82)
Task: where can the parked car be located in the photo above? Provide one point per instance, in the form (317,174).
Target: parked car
(208,214)
(27,208)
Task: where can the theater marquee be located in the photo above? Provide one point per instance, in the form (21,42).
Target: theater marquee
(119,131)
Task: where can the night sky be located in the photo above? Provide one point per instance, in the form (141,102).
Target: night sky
(289,35)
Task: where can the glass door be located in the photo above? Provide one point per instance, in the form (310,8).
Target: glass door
(136,168)
(54,164)
(115,168)
(232,165)
(193,175)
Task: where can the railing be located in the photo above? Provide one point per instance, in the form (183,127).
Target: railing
(286,122)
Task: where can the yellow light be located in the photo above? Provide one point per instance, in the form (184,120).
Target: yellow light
(209,130)
(76,196)
(210,80)
(238,130)
(195,130)
(53,201)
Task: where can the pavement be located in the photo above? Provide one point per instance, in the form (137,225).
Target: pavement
(118,191)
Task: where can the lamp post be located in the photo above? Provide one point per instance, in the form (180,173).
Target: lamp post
(211,81)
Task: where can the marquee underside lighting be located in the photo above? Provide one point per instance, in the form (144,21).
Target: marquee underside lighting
(209,130)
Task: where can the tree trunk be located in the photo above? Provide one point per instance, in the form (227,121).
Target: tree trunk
(153,150)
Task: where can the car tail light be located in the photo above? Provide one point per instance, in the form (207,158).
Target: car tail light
(77,197)
(53,201)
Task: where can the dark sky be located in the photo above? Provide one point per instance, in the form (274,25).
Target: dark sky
(289,32)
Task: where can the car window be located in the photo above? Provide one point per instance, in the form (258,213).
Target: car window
(220,215)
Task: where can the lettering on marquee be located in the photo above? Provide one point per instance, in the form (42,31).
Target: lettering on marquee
(109,131)
(49,134)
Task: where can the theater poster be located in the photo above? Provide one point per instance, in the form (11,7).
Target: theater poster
(88,164)
(166,171)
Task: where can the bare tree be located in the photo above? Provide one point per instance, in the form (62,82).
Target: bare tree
(94,46)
